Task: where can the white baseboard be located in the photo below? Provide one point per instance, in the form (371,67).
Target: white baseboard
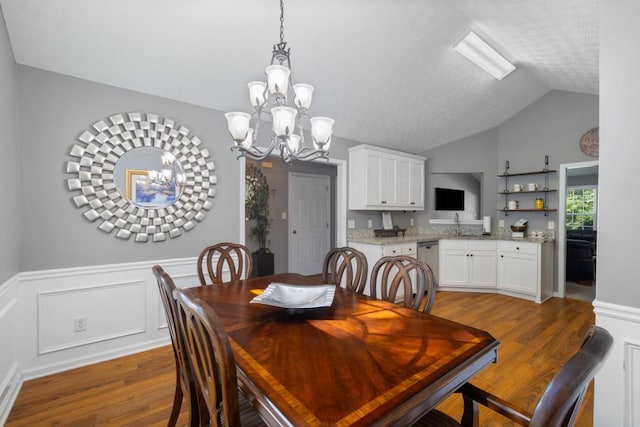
(9,393)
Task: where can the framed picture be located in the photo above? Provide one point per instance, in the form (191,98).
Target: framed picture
(387,223)
(145,192)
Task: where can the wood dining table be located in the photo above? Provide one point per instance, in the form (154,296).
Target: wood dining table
(359,362)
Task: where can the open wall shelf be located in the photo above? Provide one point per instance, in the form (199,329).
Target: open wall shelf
(545,190)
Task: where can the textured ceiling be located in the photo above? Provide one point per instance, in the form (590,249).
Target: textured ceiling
(384,70)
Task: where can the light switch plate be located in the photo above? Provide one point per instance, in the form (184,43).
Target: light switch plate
(411,222)
(501,223)
(370,224)
(351,224)
(551,225)
(284,215)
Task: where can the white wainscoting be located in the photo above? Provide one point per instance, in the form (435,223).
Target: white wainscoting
(120,304)
(10,375)
(617,386)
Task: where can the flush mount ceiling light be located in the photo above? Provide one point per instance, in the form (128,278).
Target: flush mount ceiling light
(286,116)
(484,56)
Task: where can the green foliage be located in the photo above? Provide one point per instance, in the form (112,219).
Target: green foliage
(256,205)
(580,208)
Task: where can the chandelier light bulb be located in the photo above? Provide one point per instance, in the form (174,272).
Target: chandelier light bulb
(284,120)
(238,124)
(321,131)
(304,95)
(257,93)
(278,79)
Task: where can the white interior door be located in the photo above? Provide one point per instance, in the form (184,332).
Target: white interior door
(309,229)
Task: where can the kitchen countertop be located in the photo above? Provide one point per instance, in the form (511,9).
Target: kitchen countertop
(411,238)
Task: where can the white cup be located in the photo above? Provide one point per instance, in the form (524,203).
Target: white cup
(517,187)
(532,186)
(513,205)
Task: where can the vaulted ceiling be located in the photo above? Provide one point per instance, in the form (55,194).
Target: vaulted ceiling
(385,70)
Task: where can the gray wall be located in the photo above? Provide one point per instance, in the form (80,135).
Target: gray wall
(477,153)
(278,179)
(56,109)
(10,222)
(618,256)
(550,126)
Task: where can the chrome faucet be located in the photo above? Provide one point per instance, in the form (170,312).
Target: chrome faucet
(456,219)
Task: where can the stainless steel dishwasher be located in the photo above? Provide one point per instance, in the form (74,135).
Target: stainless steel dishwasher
(428,252)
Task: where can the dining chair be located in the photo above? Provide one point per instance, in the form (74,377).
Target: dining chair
(217,259)
(346,266)
(185,386)
(213,365)
(561,401)
(402,273)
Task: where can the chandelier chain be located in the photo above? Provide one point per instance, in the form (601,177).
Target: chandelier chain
(281,21)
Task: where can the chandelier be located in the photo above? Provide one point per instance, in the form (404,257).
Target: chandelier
(170,173)
(286,116)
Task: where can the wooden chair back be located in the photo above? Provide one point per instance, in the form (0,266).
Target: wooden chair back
(560,403)
(414,278)
(233,258)
(185,387)
(211,360)
(346,266)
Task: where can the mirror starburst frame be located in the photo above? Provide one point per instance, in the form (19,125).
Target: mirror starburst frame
(94,159)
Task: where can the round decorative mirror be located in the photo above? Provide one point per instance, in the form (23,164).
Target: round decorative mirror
(141,176)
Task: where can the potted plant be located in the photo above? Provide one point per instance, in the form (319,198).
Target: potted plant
(257,194)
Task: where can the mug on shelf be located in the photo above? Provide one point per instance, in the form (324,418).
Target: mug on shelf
(532,186)
(517,187)
(513,205)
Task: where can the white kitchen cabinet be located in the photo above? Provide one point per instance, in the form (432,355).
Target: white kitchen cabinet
(382,179)
(374,252)
(525,269)
(470,264)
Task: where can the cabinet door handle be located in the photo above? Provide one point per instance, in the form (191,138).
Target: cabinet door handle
(517,248)
(413,203)
(384,201)
(501,256)
(471,255)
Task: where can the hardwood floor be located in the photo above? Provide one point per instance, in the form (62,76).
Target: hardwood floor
(138,390)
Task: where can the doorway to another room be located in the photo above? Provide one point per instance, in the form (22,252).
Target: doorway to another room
(577,231)
(285,206)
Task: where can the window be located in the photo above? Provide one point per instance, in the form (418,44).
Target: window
(581,208)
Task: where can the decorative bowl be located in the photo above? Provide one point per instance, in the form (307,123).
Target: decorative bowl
(519,227)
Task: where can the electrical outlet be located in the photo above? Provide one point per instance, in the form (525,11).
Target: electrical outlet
(351,224)
(501,223)
(284,215)
(551,225)
(370,224)
(411,222)
(80,324)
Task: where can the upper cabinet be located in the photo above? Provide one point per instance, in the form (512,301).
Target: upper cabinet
(382,179)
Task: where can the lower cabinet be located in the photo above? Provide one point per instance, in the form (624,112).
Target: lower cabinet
(374,252)
(520,269)
(526,269)
(468,263)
